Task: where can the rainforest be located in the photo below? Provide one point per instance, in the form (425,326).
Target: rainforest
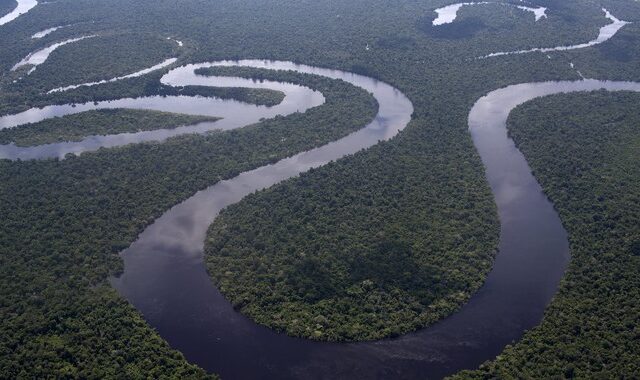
(279,189)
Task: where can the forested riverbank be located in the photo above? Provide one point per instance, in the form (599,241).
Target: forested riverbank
(584,148)
(64,222)
(79,63)
(7,6)
(335,256)
(98,122)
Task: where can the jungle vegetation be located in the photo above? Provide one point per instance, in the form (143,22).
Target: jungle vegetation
(64,221)
(79,63)
(16,102)
(343,254)
(130,53)
(96,122)
(7,6)
(584,149)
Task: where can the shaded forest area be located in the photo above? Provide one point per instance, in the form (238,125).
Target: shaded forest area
(95,122)
(7,6)
(75,63)
(584,149)
(31,91)
(65,221)
(344,254)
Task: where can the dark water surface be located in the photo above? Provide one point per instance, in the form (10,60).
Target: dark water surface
(165,277)
(234,114)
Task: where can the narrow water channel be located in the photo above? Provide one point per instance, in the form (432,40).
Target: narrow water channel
(23,7)
(234,114)
(165,276)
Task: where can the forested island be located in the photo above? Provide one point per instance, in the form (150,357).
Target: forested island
(97,122)
(73,240)
(375,245)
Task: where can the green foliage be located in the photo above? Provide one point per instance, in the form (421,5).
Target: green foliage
(65,221)
(346,245)
(258,96)
(11,103)
(565,24)
(97,122)
(622,52)
(7,6)
(85,335)
(584,151)
(75,63)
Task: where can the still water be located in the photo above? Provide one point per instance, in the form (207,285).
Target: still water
(23,7)
(165,277)
(234,114)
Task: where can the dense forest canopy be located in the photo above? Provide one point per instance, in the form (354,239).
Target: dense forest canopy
(7,6)
(78,62)
(583,149)
(421,195)
(334,255)
(65,222)
(98,122)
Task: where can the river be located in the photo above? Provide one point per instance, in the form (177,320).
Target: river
(166,280)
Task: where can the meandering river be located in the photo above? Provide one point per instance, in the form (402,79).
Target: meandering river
(23,7)
(39,57)
(165,276)
(605,34)
(234,114)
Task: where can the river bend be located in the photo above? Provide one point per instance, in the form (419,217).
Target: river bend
(23,7)
(234,114)
(165,277)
